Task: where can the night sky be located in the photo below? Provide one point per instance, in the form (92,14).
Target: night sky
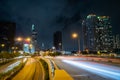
(49,16)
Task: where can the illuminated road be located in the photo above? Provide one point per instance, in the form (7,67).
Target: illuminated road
(81,69)
(31,71)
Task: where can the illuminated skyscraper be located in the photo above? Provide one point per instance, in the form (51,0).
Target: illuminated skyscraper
(104,34)
(33,39)
(88,26)
(97,33)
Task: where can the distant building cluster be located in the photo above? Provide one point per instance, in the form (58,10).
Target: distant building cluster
(97,34)
(9,43)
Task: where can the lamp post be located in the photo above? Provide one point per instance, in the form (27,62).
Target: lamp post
(75,35)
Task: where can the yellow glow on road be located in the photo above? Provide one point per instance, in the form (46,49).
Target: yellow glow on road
(31,71)
(62,75)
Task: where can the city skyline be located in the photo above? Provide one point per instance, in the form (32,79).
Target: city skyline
(59,40)
(50,16)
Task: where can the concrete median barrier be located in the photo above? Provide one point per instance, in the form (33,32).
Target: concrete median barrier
(62,75)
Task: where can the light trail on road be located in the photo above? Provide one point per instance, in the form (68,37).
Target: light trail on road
(101,70)
(31,71)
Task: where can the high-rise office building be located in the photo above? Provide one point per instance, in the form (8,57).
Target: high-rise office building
(97,33)
(57,40)
(89,34)
(34,39)
(104,34)
(7,35)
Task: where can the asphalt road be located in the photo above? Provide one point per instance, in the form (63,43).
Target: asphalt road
(31,71)
(81,69)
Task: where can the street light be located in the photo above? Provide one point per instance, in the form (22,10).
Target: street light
(3,45)
(28,39)
(75,35)
(19,39)
(23,40)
